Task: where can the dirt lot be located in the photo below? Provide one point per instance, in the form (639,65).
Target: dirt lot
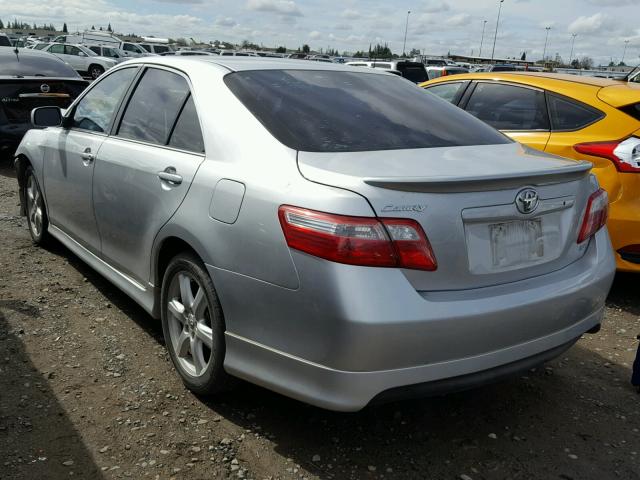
(87,391)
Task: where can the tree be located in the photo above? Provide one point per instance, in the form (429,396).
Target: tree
(109,28)
(586,63)
(93,27)
(305,48)
(575,63)
(524,56)
(64,28)
(380,51)
(281,50)
(1,24)
(414,52)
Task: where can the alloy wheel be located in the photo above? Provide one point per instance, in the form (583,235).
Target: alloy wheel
(34,207)
(189,322)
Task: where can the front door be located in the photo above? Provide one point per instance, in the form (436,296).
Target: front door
(69,165)
(144,171)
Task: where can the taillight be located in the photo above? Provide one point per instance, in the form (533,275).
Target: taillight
(595,215)
(372,242)
(625,154)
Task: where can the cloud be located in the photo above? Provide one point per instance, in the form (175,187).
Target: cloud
(315,35)
(433,7)
(350,14)
(282,7)
(459,20)
(612,3)
(225,22)
(590,25)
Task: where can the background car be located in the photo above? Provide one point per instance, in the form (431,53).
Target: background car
(108,52)
(577,117)
(81,58)
(330,232)
(30,79)
(156,48)
(4,40)
(443,71)
(413,71)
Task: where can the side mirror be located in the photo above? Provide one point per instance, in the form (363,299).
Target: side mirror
(82,54)
(46,117)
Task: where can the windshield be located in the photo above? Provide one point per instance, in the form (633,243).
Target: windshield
(333,111)
(29,64)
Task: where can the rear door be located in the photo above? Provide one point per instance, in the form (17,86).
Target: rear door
(69,163)
(76,58)
(518,111)
(144,170)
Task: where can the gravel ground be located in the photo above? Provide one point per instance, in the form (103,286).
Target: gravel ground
(88,391)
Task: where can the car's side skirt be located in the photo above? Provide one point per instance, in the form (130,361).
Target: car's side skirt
(144,296)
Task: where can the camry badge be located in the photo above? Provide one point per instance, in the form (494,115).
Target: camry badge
(404,208)
(527,200)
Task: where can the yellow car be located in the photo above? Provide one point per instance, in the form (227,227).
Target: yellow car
(577,117)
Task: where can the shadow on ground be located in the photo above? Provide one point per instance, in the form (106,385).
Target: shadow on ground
(36,435)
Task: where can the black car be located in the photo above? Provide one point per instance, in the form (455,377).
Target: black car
(30,79)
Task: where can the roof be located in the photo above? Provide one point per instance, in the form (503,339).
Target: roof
(238,64)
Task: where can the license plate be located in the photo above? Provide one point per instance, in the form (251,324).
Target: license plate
(517,242)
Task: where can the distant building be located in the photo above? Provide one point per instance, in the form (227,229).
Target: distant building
(473,59)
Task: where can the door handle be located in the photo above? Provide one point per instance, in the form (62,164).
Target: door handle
(169,175)
(87,156)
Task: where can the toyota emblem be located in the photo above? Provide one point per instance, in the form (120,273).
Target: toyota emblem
(44,88)
(527,200)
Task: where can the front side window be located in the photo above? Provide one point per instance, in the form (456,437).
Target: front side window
(130,47)
(71,50)
(95,50)
(96,109)
(154,107)
(570,115)
(146,47)
(507,107)
(446,91)
(338,111)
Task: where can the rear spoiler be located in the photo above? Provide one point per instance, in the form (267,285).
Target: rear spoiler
(455,184)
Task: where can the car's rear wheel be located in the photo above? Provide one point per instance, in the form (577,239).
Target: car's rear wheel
(95,71)
(193,325)
(36,212)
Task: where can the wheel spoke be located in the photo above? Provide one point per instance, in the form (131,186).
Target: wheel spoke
(198,302)
(204,334)
(177,310)
(198,358)
(182,344)
(185,290)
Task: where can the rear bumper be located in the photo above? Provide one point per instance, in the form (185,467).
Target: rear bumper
(351,391)
(350,333)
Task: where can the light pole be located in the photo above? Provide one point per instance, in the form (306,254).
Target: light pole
(406,27)
(495,36)
(484,24)
(546,39)
(573,39)
(626,42)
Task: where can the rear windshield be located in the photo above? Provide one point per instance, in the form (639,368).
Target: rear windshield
(332,111)
(26,64)
(4,41)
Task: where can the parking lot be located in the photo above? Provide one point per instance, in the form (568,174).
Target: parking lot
(88,391)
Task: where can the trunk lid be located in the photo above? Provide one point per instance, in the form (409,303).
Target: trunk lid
(18,96)
(465,200)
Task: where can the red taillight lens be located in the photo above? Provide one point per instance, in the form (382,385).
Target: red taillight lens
(625,154)
(595,215)
(357,240)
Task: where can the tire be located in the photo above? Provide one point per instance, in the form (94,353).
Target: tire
(37,219)
(95,71)
(193,325)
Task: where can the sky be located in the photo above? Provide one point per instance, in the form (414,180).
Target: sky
(434,27)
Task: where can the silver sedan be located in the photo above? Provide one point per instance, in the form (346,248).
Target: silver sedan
(332,233)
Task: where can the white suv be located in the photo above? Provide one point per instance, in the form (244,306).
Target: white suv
(81,59)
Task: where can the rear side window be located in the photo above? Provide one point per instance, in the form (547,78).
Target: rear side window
(57,48)
(96,109)
(447,91)
(569,115)
(154,107)
(95,50)
(337,111)
(507,107)
(187,134)
(30,64)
